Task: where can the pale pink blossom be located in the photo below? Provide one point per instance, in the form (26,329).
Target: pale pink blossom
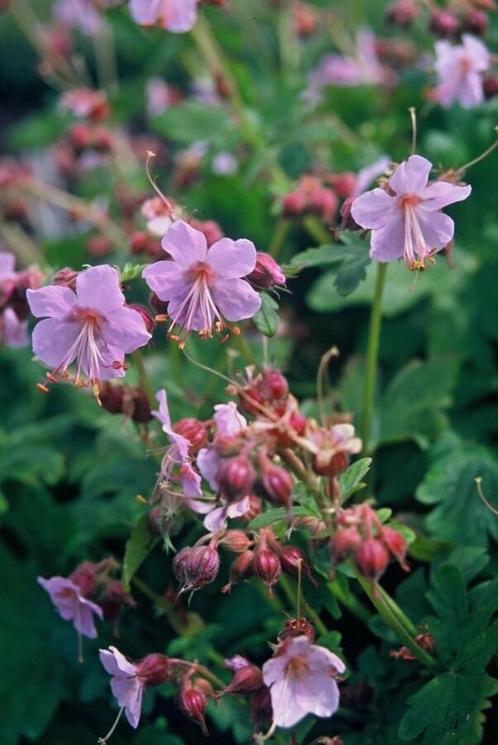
(460,71)
(126,684)
(72,605)
(405,220)
(91,326)
(174,15)
(204,288)
(229,422)
(301,679)
(79,14)
(159,97)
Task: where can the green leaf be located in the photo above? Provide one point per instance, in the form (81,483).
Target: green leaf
(351,480)
(138,546)
(267,318)
(350,256)
(460,515)
(413,404)
(192,122)
(321,256)
(280,513)
(132,271)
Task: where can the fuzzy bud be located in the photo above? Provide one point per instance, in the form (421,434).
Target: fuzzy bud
(395,544)
(267,273)
(241,568)
(267,566)
(294,203)
(344,543)
(274,384)
(444,23)
(196,567)
(193,430)
(236,477)
(153,669)
(193,703)
(236,541)
(297,627)
(248,679)
(371,558)
(278,485)
(476,22)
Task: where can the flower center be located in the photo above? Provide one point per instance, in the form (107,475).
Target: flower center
(200,272)
(297,667)
(415,246)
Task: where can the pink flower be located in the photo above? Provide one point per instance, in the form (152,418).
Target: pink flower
(174,15)
(177,457)
(229,423)
(217,517)
(203,287)
(80,14)
(13,332)
(92,326)
(460,72)
(127,687)
(406,221)
(72,605)
(301,681)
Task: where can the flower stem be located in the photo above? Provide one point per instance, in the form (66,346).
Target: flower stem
(278,238)
(143,378)
(291,596)
(372,359)
(396,620)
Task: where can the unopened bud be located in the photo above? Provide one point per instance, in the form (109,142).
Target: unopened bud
(111,397)
(267,273)
(294,203)
(274,384)
(344,543)
(444,23)
(236,477)
(371,558)
(251,400)
(246,680)
(241,568)
(114,599)
(476,22)
(193,703)
(210,229)
(403,12)
(293,561)
(254,509)
(193,430)
(85,577)
(490,86)
(267,566)
(153,669)
(278,485)
(323,203)
(196,567)
(236,541)
(99,245)
(395,544)
(344,184)
(66,278)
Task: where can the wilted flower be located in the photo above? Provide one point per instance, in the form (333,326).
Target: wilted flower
(406,221)
(460,71)
(301,680)
(174,15)
(91,326)
(203,287)
(72,605)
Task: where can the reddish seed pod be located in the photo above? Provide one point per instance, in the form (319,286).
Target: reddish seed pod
(371,558)
(246,680)
(236,541)
(153,669)
(236,477)
(193,430)
(395,544)
(200,567)
(193,703)
(278,485)
(267,566)
(267,273)
(274,384)
(344,543)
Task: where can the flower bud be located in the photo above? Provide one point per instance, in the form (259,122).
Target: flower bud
(323,203)
(476,22)
(371,558)
(403,13)
(210,229)
(241,568)
(193,703)
(193,430)
(294,203)
(305,19)
(114,598)
(85,577)
(344,184)
(66,278)
(344,543)
(251,400)
(490,86)
(291,558)
(99,245)
(297,627)
(111,397)
(267,273)
(444,23)
(267,566)
(395,544)
(274,384)
(153,669)
(141,412)
(298,422)
(236,541)
(197,567)
(348,222)
(246,680)
(80,136)
(236,477)
(278,485)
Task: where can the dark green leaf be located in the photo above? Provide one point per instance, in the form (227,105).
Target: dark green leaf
(267,318)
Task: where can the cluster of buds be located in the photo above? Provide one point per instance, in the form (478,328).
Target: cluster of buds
(457,17)
(311,197)
(360,535)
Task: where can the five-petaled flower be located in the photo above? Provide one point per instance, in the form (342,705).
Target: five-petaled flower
(203,287)
(405,219)
(72,605)
(460,71)
(92,327)
(301,679)
(174,15)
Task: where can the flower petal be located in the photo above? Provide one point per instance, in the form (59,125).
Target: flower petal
(437,228)
(99,288)
(182,16)
(184,244)
(165,278)
(373,209)
(441,193)
(53,301)
(52,340)
(7,265)
(411,176)
(236,299)
(232,259)
(145,12)
(388,243)
(125,329)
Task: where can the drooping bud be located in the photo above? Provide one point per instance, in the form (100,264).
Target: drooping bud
(476,22)
(111,397)
(241,568)
(85,577)
(246,680)
(196,567)
(371,558)
(444,23)
(395,544)
(293,561)
(236,477)
(274,385)
(193,430)
(114,598)
(267,273)
(344,184)
(297,627)
(278,484)
(193,703)
(236,541)
(267,566)
(153,669)
(403,13)
(294,203)
(98,245)
(344,543)
(210,229)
